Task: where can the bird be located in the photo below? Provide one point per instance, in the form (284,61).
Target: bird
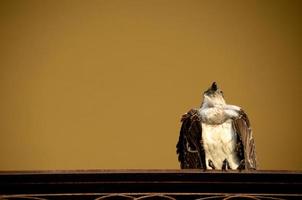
(216,136)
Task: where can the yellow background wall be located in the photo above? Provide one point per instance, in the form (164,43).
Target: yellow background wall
(102,84)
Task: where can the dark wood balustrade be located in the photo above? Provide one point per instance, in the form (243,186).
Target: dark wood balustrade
(150,184)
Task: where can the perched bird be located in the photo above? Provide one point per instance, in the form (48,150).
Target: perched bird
(216,136)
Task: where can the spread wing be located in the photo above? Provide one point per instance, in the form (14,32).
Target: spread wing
(190,152)
(245,142)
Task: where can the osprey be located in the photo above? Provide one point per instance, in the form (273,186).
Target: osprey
(216,136)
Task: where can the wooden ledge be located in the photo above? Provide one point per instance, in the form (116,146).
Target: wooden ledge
(143,184)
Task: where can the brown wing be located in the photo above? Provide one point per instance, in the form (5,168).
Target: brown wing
(190,152)
(245,142)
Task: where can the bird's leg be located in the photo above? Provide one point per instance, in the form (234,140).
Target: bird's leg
(225,165)
(211,164)
(241,165)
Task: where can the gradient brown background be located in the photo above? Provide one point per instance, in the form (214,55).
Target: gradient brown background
(102,84)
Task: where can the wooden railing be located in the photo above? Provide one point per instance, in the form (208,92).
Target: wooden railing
(150,184)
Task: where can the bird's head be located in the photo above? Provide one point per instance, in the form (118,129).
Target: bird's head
(213,96)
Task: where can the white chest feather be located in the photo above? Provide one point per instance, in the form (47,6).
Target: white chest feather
(219,143)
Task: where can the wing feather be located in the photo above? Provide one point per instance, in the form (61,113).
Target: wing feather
(190,152)
(245,142)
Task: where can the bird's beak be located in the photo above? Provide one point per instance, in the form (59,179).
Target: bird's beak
(214,86)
